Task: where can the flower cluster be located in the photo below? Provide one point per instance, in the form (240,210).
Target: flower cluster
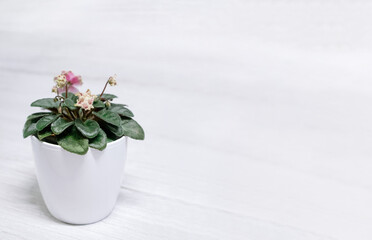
(60,80)
(85,100)
(67,80)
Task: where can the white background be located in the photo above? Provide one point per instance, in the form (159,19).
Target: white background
(257,115)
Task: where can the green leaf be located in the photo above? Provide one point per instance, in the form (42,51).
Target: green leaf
(69,104)
(118,131)
(81,113)
(108,96)
(45,103)
(38,115)
(51,139)
(71,96)
(118,104)
(89,128)
(44,133)
(29,128)
(45,121)
(132,129)
(100,141)
(108,116)
(61,125)
(73,142)
(121,110)
(98,104)
(110,139)
(110,136)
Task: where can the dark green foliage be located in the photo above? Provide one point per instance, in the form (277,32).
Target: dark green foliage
(38,115)
(29,128)
(45,121)
(69,104)
(100,141)
(61,125)
(118,131)
(51,139)
(75,129)
(89,128)
(107,96)
(132,129)
(71,96)
(73,141)
(121,110)
(108,116)
(98,104)
(46,132)
(45,103)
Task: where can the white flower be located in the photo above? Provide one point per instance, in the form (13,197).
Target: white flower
(112,80)
(61,81)
(85,100)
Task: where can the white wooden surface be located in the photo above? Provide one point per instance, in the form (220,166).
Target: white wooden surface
(257,115)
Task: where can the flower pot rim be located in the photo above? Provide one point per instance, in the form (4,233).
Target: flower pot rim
(56,146)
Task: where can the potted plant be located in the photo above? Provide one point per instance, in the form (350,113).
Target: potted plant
(79,146)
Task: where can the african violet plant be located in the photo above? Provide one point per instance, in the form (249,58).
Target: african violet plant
(76,121)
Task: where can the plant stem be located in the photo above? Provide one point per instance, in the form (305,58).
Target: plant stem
(88,113)
(69,113)
(103,90)
(83,116)
(72,116)
(66,89)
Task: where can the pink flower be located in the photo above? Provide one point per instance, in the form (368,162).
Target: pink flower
(72,81)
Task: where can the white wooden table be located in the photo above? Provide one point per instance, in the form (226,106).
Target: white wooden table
(257,115)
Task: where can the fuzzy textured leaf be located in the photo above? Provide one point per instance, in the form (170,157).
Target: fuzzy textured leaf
(132,129)
(45,133)
(29,128)
(73,142)
(118,131)
(108,96)
(98,104)
(51,139)
(60,125)
(38,115)
(69,104)
(45,103)
(89,128)
(45,121)
(108,116)
(100,141)
(71,96)
(121,110)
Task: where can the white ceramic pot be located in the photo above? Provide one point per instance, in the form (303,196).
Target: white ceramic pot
(79,189)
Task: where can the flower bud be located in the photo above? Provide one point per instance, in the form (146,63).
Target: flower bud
(112,80)
(61,81)
(55,89)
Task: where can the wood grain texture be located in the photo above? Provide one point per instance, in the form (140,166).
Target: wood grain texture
(257,115)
